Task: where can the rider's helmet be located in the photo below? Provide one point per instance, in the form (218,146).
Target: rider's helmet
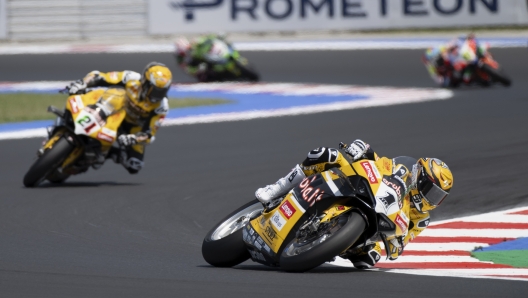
(434,181)
(182,46)
(155,82)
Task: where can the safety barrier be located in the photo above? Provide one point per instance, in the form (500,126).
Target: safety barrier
(72,19)
(87,19)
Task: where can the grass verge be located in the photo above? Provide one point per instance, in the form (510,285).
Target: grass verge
(16,107)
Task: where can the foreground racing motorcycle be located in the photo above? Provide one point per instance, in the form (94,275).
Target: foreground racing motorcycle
(214,60)
(81,137)
(326,215)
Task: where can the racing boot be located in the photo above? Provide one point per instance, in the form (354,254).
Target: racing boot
(282,186)
(365,257)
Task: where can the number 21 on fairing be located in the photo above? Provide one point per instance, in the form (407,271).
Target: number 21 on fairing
(85,123)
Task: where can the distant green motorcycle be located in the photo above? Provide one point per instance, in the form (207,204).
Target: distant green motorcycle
(213,59)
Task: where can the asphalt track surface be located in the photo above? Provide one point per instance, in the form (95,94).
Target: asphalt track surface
(110,234)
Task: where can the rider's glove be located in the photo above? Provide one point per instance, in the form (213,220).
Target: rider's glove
(357,149)
(395,248)
(76,87)
(127,140)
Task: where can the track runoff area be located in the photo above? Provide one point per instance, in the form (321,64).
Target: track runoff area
(492,245)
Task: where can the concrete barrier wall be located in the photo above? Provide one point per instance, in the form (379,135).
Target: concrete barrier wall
(3,19)
(74,19)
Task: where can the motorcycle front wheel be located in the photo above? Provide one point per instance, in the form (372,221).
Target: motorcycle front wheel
(48,162)
(223,246)
(307,251)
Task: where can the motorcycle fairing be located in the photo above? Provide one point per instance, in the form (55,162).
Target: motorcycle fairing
(266,234)
(275,225)
(91,124)
(356,184)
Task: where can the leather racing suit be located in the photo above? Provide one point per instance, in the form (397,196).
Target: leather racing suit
(322,159)
(143,117)
(202,61)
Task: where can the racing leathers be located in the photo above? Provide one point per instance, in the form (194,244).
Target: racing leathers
(208,59)
(323,158)
(143,117)
(449,64)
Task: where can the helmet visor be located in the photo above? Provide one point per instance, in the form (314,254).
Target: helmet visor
(155,94)
(431,192)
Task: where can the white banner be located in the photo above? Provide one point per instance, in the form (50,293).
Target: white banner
(200,16)
(3,19)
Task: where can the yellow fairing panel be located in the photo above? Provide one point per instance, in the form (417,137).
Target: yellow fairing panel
(275,225)
(106,133)
(369,170)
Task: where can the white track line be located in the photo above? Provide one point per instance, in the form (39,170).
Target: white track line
(497,233)
(317,45)
(376,96)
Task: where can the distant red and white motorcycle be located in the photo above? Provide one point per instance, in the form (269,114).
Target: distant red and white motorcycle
(464,61)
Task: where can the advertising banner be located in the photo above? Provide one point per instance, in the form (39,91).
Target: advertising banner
(3,19)
(200,16)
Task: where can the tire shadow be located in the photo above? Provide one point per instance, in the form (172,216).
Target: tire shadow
(86,184)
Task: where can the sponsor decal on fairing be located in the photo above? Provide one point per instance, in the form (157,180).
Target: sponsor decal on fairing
(73,105)
(109,132)
(371,174)
(278,221)
(387,200)
(287,209)
(270,233)
(401,223)
(105,137)
(309,193)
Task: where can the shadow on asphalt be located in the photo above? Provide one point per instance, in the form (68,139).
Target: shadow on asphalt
(320,269)
(86,184)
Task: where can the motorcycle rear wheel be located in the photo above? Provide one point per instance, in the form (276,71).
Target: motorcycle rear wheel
(223,246)
(496,75)
(247,72)
(304,254)
(48,162)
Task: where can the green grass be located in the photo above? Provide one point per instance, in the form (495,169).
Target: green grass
(15,107)
(515,258)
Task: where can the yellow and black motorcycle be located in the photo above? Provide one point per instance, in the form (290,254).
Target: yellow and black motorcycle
(81,137)
(326,215)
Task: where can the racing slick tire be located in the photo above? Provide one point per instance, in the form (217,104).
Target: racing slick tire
(496,75)
(304,254)
(48,162)
(223,245)
(57,177)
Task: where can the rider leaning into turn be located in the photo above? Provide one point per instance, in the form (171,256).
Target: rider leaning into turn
(426,181)
(195,55)
(146,106)
(445,63)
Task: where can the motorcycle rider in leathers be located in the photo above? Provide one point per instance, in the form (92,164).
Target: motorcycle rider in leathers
(446,65)
(426,181)
(195,58)
(146,107)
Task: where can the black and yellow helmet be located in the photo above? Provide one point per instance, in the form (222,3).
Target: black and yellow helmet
(434,182)
(155,82)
